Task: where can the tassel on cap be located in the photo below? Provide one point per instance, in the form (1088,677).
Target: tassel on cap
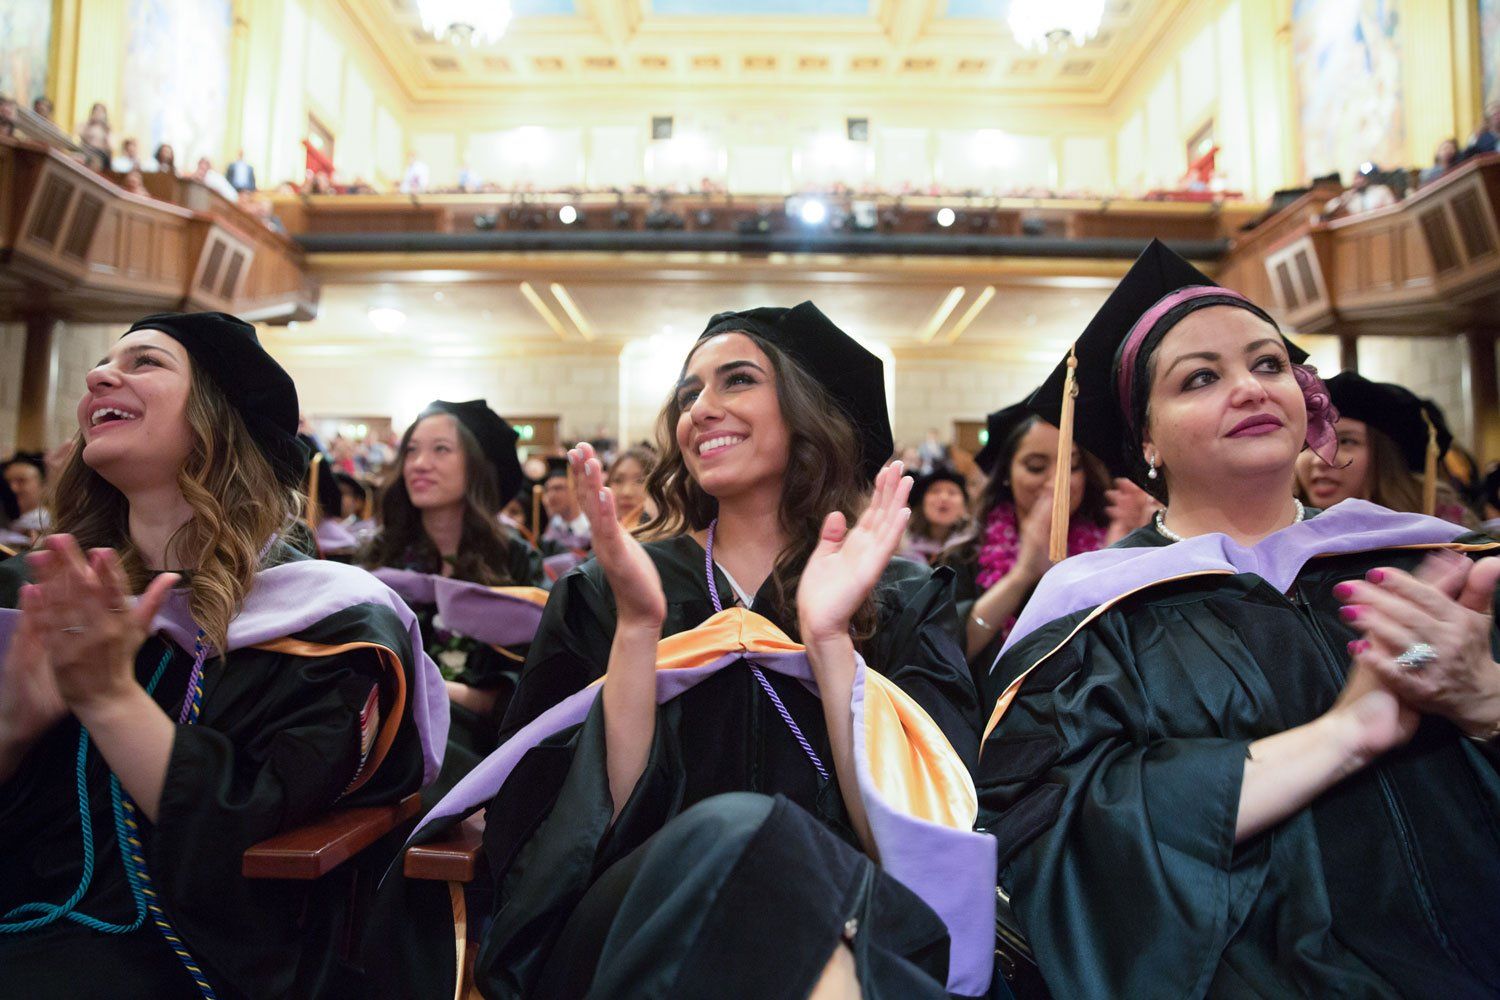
(1057,549)
(1429,468)
(314,468)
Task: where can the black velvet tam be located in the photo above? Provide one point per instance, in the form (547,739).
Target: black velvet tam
(497,438)
(1395,411)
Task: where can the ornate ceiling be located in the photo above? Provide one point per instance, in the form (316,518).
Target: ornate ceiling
(861,50)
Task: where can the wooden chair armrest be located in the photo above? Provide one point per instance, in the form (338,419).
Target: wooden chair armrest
(317,848)
(455,858)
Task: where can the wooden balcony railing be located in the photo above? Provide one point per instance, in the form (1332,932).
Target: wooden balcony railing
(74,245)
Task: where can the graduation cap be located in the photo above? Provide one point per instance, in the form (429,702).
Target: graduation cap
(999,426)
(261,392)
(852,376)
(35,459)
(1093,392)
(1415,425)
(497,438)
(941,474)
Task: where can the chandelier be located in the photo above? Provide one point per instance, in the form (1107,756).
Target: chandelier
(1054,25)
(472,22)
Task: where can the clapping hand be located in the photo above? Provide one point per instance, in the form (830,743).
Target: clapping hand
(848,562)
(84,619)
(631,574)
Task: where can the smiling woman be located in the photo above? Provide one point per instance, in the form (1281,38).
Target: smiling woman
(1272,727)
(765,535)
(179,676)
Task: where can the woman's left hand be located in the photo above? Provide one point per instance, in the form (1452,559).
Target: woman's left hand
(87,622)
(1448,605)
(847,563)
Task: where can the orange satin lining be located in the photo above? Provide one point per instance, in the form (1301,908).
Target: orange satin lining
(533,595)
(912,765)
(910,760)
(301,647)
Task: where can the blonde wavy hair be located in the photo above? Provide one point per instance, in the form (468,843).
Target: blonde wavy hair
(237,501)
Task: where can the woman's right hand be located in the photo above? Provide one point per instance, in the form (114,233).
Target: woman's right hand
(1370,718)
(632,576)
(1033,559)
(30,703)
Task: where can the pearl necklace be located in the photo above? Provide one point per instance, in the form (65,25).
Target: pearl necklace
(1172,536)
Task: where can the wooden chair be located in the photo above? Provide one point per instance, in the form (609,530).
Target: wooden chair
(455,860)
(319,848)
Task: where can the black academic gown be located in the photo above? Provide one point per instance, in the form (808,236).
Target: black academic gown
(278,741)
(479,665)
(692,891)
(1112,785)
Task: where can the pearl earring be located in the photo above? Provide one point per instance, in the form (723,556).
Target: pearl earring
(1151,472)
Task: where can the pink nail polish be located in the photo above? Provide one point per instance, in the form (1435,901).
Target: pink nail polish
(1343,590)
(1375,575)
(1351,612)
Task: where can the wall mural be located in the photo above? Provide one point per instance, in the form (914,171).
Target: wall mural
(25,43)
(177,78)
(1489,48)
(1347,55)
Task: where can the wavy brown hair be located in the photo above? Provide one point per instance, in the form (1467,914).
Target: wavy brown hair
(238,506)
(483,546)
(822,475)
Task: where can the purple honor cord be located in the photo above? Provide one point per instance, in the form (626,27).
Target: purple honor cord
(713,593)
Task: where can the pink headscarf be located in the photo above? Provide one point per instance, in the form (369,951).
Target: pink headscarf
(1321,414)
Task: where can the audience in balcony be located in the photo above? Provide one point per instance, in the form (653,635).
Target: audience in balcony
(1487,139)
(94,145)
(415,180)
(216,182)
(98,115)
(166,160)
(42,107)
(241,175)
(128,159)
(1443,160)
(1364,194)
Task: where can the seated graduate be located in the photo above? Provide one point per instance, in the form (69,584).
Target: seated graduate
(627,481)
(244,692)
(25,473)
(1249,751)
(621,866)
(1391,444)
(998,562)
(939,514)
(439,516)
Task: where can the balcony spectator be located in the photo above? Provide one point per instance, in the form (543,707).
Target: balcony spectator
(42,107)
(166,160)
(262,210)
(95,146)
(1442,161)
(7,116)
(98,115)
(240,174)
(415,179)
(135,183)
(1487,139)
(128,159)
(213,180)
(1364,194)
(469,180)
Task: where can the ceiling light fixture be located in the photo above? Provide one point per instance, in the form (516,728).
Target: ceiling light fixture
(465,22)
(567,215)
(945,217)
(1054,25)
(386,319)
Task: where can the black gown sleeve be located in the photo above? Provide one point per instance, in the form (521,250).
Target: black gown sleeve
(570,650)
(525,567)
(1115,838)
(914,648)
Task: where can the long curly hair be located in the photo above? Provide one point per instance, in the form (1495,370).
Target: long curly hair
(822,475)
(238,506)
(483,547)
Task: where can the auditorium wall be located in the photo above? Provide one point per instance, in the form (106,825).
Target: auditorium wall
(25,48)
(79,346)
(12,345)
(1431,367)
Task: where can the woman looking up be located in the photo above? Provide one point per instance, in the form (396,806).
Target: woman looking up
(268,688)
(1271,727)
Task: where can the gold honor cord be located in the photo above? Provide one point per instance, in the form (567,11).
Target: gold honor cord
(1062,500)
